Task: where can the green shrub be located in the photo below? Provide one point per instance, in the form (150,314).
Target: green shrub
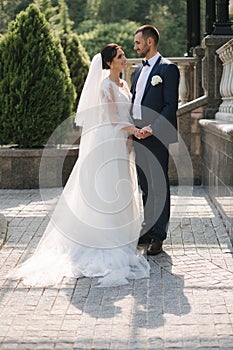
(36,92)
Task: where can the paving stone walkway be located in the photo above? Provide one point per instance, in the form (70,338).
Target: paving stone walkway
(186,304)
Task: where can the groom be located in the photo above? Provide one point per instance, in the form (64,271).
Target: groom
(155,102)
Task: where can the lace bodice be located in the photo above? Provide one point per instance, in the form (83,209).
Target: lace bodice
(116,102)
(111,92)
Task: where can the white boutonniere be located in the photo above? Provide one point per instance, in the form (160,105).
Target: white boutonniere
(155,80)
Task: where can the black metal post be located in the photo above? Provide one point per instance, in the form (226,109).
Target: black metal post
(222,26)
(196,23)
(189,26)
(193,25)
(210,16)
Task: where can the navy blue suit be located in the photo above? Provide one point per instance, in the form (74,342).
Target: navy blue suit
(158,108)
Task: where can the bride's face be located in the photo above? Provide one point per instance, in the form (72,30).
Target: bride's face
(119,61)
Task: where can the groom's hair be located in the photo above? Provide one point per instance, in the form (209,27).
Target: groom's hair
(149,31)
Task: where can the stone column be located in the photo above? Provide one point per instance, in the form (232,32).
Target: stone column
(184,84)
(198,53)
(226,87)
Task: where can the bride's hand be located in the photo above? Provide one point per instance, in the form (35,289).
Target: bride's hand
(129,144)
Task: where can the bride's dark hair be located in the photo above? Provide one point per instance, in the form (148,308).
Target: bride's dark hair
(108,52)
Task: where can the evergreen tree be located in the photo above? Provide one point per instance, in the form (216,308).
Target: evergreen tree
(77,11)
(36,93)
(77,59)
(47,9)
(61,21)
(92,9)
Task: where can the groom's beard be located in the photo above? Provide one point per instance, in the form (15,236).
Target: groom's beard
(145,51)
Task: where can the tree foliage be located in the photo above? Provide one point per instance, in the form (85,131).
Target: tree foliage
(78,61)
(111,11)
(101,34)
(108,21)
(62,23)
(47,9)
(170,19)
(168,15)
(36,93)
(77,11)
(9,9)
(77,57)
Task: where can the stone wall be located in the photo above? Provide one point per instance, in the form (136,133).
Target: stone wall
(22,168)
(189,131)
(217,165)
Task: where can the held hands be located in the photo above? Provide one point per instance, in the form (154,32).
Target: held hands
(143,133)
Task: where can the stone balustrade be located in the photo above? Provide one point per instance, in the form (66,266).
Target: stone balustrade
(217,142)
(189,76)
(226,86)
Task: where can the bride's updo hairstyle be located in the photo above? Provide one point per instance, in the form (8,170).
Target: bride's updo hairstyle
(108,52)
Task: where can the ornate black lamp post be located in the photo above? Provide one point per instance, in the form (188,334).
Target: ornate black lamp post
(210,17)
(222,24)
(193,25)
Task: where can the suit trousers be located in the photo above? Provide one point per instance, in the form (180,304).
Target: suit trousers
(152,166)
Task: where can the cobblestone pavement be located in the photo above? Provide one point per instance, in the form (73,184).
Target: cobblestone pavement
(186,304)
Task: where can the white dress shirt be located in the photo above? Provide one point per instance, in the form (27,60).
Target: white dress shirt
(141,85)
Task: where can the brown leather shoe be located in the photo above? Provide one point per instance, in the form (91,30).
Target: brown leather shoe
(155,247)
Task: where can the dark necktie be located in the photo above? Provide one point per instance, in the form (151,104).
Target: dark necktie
(145,63)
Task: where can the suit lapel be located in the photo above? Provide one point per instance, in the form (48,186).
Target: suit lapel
(152,73)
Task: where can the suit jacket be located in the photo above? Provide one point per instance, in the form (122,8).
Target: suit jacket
(160,102)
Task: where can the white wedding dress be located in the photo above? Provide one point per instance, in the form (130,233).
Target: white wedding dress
(94,229)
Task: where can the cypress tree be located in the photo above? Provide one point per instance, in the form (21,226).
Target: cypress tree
(36,92)
(76,55)
(77,59)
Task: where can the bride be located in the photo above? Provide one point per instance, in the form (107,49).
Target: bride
(94,229)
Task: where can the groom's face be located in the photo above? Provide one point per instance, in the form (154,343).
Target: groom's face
(141,45)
